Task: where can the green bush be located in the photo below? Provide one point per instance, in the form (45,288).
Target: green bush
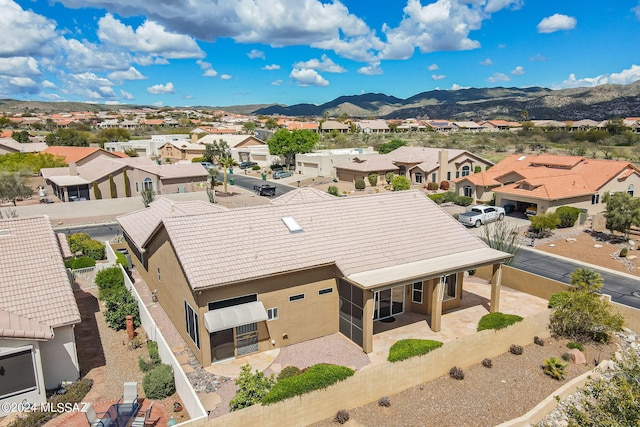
(252,388)
(557,299)
(333,190)
(80,262)
(154,357)
(76,241)
(108,281)
(74,395)
(316,377)
(463,200)
(118,306)
(555,368)
(438,198)
(477,169)
(388,177)
(255,168)
(577,345)
(432,186)
(198,159)
(568,216)
(121,259)
(624,252)
(542,223)
(93,248)
(289,371)
(97,194)
(127,184)
(405,349)
(400,183)
(449,196)
(360,184)
(373,179)
(158,383)
(497,321)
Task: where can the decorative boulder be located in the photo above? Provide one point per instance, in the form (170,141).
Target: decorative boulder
(577,357)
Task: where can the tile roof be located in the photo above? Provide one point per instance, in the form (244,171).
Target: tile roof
(346,232)
(27,147)
(34,283)
(140,225)
(177,170)
(74,154)
(14,326)
(302,195)
(368,163)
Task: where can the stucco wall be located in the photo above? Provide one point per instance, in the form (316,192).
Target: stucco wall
(60,358)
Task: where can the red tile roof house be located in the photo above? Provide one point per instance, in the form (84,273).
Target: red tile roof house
(548,181)
(37,311)
(130,175)
(419,164)
(80,155)
(305,266)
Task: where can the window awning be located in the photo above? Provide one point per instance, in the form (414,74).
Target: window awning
(237,315)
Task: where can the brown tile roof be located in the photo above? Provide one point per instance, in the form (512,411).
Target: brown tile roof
(74,154)
(369,163)
(14,326)
(347,232)
(34,283)
(65,250)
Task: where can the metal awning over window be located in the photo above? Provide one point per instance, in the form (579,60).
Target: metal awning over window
(237,315)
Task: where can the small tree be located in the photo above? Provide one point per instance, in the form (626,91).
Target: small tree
(251,388)
(585,279)
(148,195)
(388,177)
(112,187)
(333,190)
(623,211)
(503,236)
(127,184)
(97,194)
(400,183)
(543,223)
(118,306)
(359,184)
(373,179)
(388,147)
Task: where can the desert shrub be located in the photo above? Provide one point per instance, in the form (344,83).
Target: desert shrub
(584,315)
(76,241)
(112,188)
(93,248)
(516,349)
(316,377)
(497,321)
(255,167)
(577,345)
(252,388)
(586,279)
(555,368)
(557,299)
(456,216)
(432,186)
(198,159)
(373,179)
(80,262)
(456,373)
(97,194)
(566,357)
(333,190)
(342,416)
(108,281)
(478,169)
(405,349)
(463,200)
(75,393)
(360,184)
(118,306)
(438,198)
(444,185)
(487,363)
(289,371)
(624,252)
(158,383)
(388,177)
(538,341)
(541,224)
(121,259)
(400,183)
(127,183)
(384,401)
(567,215)
(449,196)
(146,365)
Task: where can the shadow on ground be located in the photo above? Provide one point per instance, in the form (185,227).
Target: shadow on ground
(88,344)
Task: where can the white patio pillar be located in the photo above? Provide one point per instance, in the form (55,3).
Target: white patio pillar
(436,305)
(496,283)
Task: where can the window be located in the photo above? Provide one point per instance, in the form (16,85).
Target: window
(457,174)
(147,184)
(468,191)
(272,313)
(595,199)
(449,176)
(418,178)
(159,274)
(325,291)
(630,189)
(223,303)
(137,189)
(18,373)
(433,177)
(466,170)
(191,320)
(450,286)
(296,297)
(417,293)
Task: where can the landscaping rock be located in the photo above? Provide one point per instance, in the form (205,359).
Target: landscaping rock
(597,245)
(577,357)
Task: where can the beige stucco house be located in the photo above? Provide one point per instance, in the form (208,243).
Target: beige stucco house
(38,312)
(549,181)
(283,273)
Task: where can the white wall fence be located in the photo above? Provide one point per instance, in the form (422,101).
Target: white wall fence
(183,385)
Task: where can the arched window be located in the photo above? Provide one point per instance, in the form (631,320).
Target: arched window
(147,184)
(630,189)
(466,170)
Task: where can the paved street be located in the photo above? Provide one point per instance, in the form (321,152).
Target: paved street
(247,182)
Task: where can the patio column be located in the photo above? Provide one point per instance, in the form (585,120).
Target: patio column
(496,282)
(436,306)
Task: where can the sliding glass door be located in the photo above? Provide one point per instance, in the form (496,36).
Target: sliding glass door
(388,302)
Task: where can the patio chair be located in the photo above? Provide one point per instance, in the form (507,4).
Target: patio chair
(92,417)
(128,403)
(142,417)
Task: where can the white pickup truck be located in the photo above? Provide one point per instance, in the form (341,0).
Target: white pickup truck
(481,214)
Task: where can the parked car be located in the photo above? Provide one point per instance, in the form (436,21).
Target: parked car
(281,174)
(208,165)
(509,208)
(531,211)
(247,165)
(481,214)
(265,190)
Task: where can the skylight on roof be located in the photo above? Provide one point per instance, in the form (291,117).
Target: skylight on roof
(292,224)
(5,232)
(522,158)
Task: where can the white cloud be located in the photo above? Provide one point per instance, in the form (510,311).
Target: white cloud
(46,84)
(130,74)
(636,10)
(255,53)
(432,67)
(85,56)
(518,71)
(276,82)
(24,33)
(19,66)
(111,102)
(25,82)
(149,37)
(161,89)
(456,86)
(496,5)
(207,68)
(226,76)
(486,62)
(538,58)
(556,22)
(323,64)
(371,69)
(126,95)
(308,77)
(438,76)
(498,78)
(271,67)
(624,77)
(87,85)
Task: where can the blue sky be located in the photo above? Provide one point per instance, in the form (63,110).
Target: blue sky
(230,52)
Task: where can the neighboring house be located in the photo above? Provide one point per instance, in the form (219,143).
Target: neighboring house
(500,125)
(10,145)
(373,126)
(186,150)
(146,147)
(440,125)
(302,126)
(549,181)
(92,180)
(467,126)
(38,312)
(584,124)
(310,265)
(419,164)
(323,162)
(80,155)
(244,148)
(333,125)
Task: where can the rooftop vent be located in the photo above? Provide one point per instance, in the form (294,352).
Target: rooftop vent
(5,232)
(292,224)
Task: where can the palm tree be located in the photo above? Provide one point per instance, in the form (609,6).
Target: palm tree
(585,279)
